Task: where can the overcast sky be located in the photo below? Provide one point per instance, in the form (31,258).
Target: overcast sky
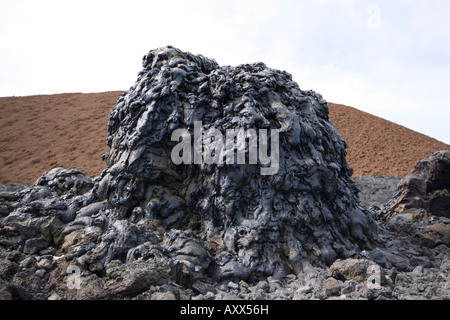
(389,58)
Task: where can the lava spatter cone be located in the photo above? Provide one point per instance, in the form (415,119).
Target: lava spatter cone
(227,218)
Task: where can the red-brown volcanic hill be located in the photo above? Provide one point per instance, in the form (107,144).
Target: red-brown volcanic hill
(38,133)
(378,146)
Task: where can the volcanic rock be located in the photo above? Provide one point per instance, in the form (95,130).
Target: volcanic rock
(164,221)
(236,221)
(427,187)
(376,190)
(421,204)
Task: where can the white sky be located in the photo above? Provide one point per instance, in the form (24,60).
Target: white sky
(389,58)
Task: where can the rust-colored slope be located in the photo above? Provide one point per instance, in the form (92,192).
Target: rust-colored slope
(38,133)
(378,146)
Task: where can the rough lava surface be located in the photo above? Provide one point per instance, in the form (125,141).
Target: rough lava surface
(250,224)
(147,228)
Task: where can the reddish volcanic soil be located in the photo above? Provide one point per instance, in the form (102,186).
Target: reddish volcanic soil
(378,146)
(38,133)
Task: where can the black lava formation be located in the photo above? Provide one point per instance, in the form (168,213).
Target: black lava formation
(242,223)
(150,219)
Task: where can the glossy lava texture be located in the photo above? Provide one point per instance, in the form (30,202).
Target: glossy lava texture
(246,224)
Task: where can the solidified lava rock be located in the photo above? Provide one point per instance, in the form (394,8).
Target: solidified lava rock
(241,223)
(420,206)
(426,187)
(273,200)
